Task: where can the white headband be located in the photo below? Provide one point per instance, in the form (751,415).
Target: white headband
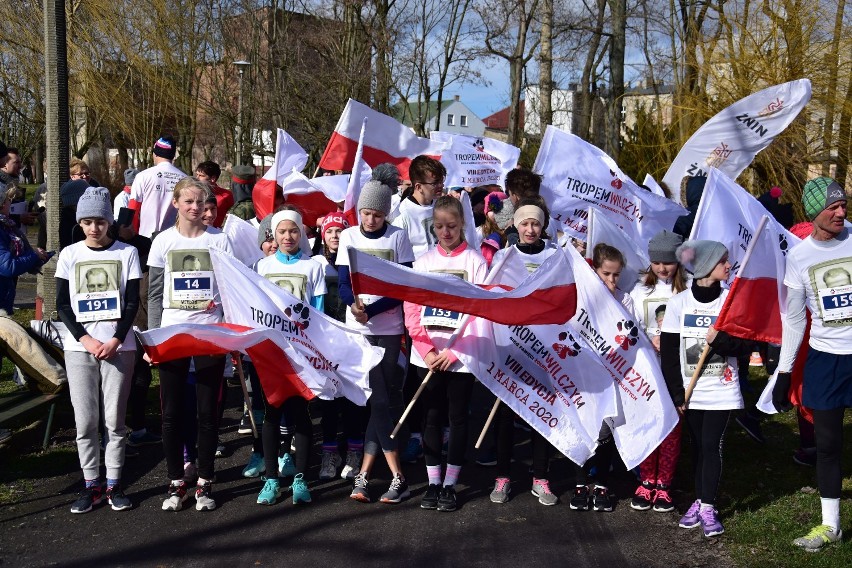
(529,212)
(286,215)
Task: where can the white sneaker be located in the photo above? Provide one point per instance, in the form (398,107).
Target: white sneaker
(177,495)
(353,464)
(204,498)
(330,462)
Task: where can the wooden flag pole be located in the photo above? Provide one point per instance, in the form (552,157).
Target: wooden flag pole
(246,398)
(488,422)
(411,404)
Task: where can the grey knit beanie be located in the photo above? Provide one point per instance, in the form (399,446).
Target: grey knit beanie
(95,204)
(264,230)
(375,195)
(662,247)
(387,173)
(700,257)
(130,175)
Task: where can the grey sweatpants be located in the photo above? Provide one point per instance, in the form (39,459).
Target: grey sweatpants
(90,382)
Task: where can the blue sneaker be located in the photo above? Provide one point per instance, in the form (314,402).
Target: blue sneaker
(255,466)
(413,450)
(300,490)
(270,493)
(286,466)
(146,438)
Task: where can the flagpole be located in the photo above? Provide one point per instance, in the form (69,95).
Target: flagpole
(699,367)
(487,424)
(450,342)
(246,398)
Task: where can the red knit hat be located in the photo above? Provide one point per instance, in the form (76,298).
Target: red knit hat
(333,219)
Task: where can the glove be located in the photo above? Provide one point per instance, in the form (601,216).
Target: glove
(781,393)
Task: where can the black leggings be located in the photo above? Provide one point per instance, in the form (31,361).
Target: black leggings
(601,461)
(446,397)
(707,433)
(208,384)
(506,441)
(300,427)
(828,429)
(354,420)
(141,382)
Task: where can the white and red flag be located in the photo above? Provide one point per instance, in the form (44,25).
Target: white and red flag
(243,237)
(577,177)
(733,137)
(547,296)
(344,357)
(646,414)
(475,160)
(283,372)
(386,141)
(603,230)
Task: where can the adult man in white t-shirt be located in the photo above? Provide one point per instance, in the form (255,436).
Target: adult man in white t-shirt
(817,278)
(152,190)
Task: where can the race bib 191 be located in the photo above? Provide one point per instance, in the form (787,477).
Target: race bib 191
(98,306)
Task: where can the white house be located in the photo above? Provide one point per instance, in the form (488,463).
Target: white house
(454,116)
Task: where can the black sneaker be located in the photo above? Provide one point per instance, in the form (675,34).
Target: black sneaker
(447,500)
(86,499)
(398,490)
(580,500)
(752,427)
(662,500)
(245,425)
(602,500)
(644,497)
(430,498)
(117,499)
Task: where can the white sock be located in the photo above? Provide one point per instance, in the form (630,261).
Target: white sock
(705,506)
(831,513)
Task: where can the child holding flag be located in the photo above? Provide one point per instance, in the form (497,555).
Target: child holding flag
(305,280)
(447,394)
(529,253)
(687,329)
(183,289)
(664,278)
(97,285)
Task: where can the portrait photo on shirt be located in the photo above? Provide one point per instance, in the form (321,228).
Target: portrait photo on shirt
(692,347)
(653,311)
(189,261)
(295,284)
(97,276)
(832,280)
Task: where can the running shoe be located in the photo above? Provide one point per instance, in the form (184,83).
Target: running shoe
(662,500)
(220,449)
(819,537)
(146,438)
(117,500)
(541,489)
(805,457)
(398,490)
(286,466)
(330,462)
(353,464)
(255,466)
(447,500)
(360,490)
(690,519)
(245,425)
(177,495)
(270,493)
(710,522)
(602,501)
(204,497)
(580,500)
(752,427)
(430,498)
(413,450)
(644,497)
(86,499)
(755,360)
(300,490)
(487,458)
(502,488)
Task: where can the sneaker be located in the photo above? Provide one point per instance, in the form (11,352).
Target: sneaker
(86,499)
(690,519)
(447,499)
(752,427)
(413,451)
(204,497)
(644,497)
(220,449)
(397,491)
(130,452)
(245,425)
(710,522)
(662,500)
(602,501)
(819,537)
(117,499)
(502,488)
(805,456)
(353,464)
(430,498)
(541,489)
(487,458)
(286,466)
(755,360)
(190,473)
(580,500)
(177,495)
(270,493)
(5,434)
(330,462)
(146,438)
(300,490)
(359,489)
(255,466)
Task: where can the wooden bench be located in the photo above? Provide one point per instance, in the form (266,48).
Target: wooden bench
(19,408)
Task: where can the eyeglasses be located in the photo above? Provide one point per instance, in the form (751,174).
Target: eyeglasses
(81,175)
(435,183)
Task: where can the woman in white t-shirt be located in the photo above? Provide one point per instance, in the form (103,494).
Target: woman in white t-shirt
(183,289)
(687,328)
(664,278)
(97,296)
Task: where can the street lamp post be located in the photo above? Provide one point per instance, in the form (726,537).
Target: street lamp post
(242,65)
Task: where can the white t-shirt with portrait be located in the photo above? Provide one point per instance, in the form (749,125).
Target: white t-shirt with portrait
(416,220)
(393,246)
(304,278)
(97,280)
(718,387)
(650,305)
(190,291)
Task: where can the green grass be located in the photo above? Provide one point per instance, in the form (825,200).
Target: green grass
(762,501)
(7,385)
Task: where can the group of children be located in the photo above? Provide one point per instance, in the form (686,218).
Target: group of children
(428,235)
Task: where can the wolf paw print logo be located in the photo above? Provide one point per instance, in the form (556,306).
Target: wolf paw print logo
(616,183)
(300,314)
(479,145)
(783,244)
(728,377)
(628,334)
(563,350)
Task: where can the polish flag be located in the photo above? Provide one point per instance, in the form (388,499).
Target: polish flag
(386,141)
(353,190)
(547,296)
(282,371)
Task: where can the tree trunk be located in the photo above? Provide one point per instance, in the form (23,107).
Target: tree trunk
(545,68)
(618,9)
(844,140)
(831,92)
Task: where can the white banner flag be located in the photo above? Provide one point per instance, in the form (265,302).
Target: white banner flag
(342,355)
(243,237)
(577,176)
(731,139)
(603,230)
(646,414)
(655,187)
(475,160)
